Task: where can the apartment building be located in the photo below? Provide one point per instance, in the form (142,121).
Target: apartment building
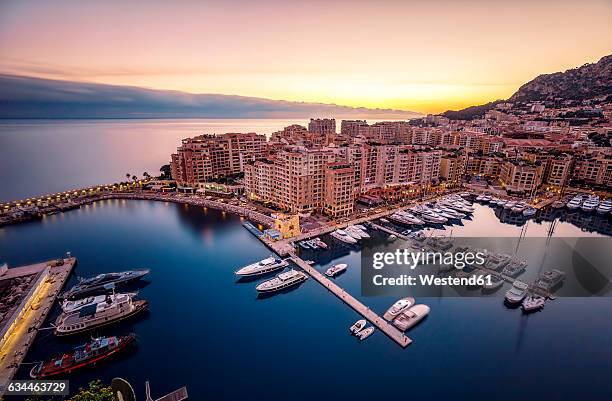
(594,170)
(204,157)
(353,128)
(322,126)
(452,167)
(339,198)
(520,176)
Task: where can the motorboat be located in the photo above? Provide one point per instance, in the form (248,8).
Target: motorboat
(385,221)
(304,245)
(575,202)
(343,236)
(558,204)
(264,266)
(320,243)
(78,304)
(429,216)
(103,283)
(365,333)
(530,211)
(533,302)
(515,267)
(550,279)
(336,269)
(98,315)
(519,207)
(359,231)
(452,212)
(312,244)
(443,213)
(496,261)
(604,207)
(398,307)
(358,326)
(282,281)
(411,316)
(590,204)
(409,218)
(509,205)
(517,292)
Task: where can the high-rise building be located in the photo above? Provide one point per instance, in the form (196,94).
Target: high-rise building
(322,126)
(520,176)
(339,198)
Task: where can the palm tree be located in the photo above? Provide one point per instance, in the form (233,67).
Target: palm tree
(128,175)
(146,175)
(134,178)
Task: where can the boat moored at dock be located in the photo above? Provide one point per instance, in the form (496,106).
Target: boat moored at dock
(264,266)
(517,292)
(282,281)
(103,283)
(365,333)
(336,270)
(343,236)
(411,316)
(78,304)
(398,307)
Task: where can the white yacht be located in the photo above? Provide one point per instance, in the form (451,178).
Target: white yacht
(407,218)
(533,303)
(604,207)
(454,213)
(359,231)
(590,204)
(336,269)
(514,267)
(519,207)
(358,326)
(282,281)
(78,304)
(530,211)
(320,243)
(550,279)
(343,236)
(517,292)
(443,213)
(356,234)
(365,333)
(398,307)
(123,306)
(262,267)
(509,205)
(496,261)
(428,215)
(575,202)
(411,316)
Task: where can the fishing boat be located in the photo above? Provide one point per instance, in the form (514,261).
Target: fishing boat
(365,333)
(336,269)
(95,351)
(264,266)
(398,307)
(282,281)
(78,304)
(343,236)
(358,326)
(103,283)
(517,292)
(102,314)
(533,303)
(410,317)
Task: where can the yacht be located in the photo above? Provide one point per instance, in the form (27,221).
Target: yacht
(509,205)
(558,204)
(73,306)
(358,326)
(575,202)
(480,197)
(103,283)
(304,245)
(462,207)
(385,221)
(590,204)
(530,211)
(262,267)
(410,218)
(454,213)
(343,236)
(497,261)
(398,307)
(515,267)
(440,243)
(320,243)
(443,213)
(365,333)
(357,230)
(336,269)
(282,281)
(604,207)
(429,216)
(519,207)
(312,244)
(517,292)
(109,311)
(356,234)
(550,279)
(361,227)
(411,316)
(533,303)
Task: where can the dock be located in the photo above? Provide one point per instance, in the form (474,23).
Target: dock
(389,231)
(19,330)
(391,331)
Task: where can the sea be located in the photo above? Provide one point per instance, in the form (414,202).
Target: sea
(212,333)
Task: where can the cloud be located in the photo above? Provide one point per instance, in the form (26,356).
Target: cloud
(28,97)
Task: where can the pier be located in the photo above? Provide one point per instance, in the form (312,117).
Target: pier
(389,231)
(20,328)
(384,326)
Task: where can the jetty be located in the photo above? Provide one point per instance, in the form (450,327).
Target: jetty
(391,331)
(389,231)
(30,311)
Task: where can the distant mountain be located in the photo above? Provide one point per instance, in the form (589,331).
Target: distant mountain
(27,97)
(586,82)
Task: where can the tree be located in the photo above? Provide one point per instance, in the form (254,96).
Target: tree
(134,178)
(146,175)
(166,174)
(95,392)
(128,175)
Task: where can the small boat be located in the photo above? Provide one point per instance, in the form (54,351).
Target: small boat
(550,279)
(358,326)
(384,221)
(533,303)
(398,307)
(122,307)
(282,281)
(509,205)
(103,283)
(312,244)
(575,202)
(519,207)
(343,236)
(590,203)
(84,355)
(411,317)
(515,267)
(529,211)
(262,267)
(392,237)
(336,269)
(517,292)
(604,207)
(365,333)
(73,306)
(320,243)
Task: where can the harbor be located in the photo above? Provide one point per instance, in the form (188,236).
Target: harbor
(21,324)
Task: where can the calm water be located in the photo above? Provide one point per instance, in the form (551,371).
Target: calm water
(213,334)
(39,157)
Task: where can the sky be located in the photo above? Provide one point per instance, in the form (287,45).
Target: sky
(424,56)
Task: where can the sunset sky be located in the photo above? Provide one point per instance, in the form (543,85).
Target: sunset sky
(426,56)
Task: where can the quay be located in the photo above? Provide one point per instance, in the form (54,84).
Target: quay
(391,331)
(389,231)
(20,328)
